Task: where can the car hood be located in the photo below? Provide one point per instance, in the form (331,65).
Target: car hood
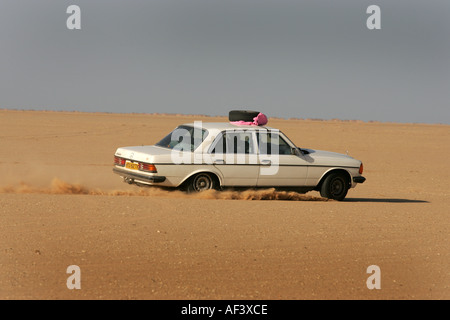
(328,158)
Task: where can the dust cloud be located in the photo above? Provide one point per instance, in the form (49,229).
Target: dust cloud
(58,186)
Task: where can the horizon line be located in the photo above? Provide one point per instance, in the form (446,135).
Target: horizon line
(224,116)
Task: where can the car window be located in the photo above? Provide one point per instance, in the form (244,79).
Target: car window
(269,140)
(185,138)
(237,142)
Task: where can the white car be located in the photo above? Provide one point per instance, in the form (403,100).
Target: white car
(200,156)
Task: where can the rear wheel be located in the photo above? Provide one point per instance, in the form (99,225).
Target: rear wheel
(201,182)
(335,186)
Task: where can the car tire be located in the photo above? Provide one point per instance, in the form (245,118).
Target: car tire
(335,186)
(242,115)
(201,182)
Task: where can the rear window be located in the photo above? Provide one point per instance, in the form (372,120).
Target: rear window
(184,138)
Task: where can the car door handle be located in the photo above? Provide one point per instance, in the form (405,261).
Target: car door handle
(266,162)
(220,161)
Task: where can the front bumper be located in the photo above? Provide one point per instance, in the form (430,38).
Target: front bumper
(359,179)
(138,176)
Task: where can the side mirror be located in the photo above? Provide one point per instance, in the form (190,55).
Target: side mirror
(296,152)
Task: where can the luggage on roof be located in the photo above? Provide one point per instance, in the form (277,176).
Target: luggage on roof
(242,115)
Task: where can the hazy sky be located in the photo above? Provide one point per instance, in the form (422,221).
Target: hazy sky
(304,59)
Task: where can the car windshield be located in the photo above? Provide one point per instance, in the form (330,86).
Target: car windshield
(184,138)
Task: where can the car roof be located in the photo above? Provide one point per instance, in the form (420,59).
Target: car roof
(224,126)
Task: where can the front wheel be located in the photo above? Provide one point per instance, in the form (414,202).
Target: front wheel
(201,182)
(335,187)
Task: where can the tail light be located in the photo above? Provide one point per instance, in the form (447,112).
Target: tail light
(361,168)
(118,161)
(147,167)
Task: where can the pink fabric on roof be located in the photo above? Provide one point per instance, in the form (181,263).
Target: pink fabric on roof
(259,120)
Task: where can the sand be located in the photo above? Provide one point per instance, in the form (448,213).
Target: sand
(61,205)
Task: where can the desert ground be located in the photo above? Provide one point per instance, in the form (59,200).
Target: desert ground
(61,205)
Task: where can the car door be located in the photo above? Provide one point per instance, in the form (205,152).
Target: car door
(278,166)
(233,153)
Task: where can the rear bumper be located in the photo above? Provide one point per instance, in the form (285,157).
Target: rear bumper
(359,179)
(138,176)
